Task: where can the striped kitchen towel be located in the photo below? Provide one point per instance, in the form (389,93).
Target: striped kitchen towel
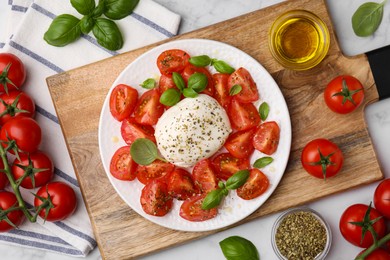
(29,19)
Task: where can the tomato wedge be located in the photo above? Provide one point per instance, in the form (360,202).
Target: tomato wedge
(122,166)
(165,83)
(155,170)
(249,92)
(155,199)
(239,144)
(173,60)
(204,176)
(256,184)
(226,165)
(131,131)
(123,99)
(148,109)
(221,89)
(191,209)
(191,69)
(266,138)
(243,116)
(180,184)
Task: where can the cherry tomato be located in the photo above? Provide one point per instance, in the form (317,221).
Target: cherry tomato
(239,144)
(378,254)
(322,158)
(266,137)
(172,61)
(204,176)
(256,184)
(39,166)
(226,165)
(191,69)
(131,131)
(191,209)
(180,184)
(63,198)
(16,103)
(155,170)
(382,198)
(249,92)
(3,177)
(165,83)
(155,199)
(353,233)
(11,70)
(123,99)
(8,200)
(25,131)
(122,166)
(148,109)
(221,89)
(243,116)
(344,94)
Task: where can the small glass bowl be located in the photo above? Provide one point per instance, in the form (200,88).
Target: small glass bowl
(286,46)
(275,227)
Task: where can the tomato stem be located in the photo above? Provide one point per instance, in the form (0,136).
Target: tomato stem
(373,247)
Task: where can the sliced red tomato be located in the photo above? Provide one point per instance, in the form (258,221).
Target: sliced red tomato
(131,131)
(191,69)
(16,103)
(9,200)
(155,170)
(155,199)
(123,99)
(249,92)
(191,209)
(173,60)
(239,144)
(243,116)
(256,184)
(180,184)
(165,83)
(204,176)
(122,166)
(221,89)
(266,138)
(226,165)
(148,109)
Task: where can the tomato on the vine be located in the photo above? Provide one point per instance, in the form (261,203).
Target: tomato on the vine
(39,167)
(15,103)
(63,199)
(123,99)
(322,158)
(382,198)
(378,254)
(7,201)
(173,60)
(3,177)
(12,72)
(344,94)
(355,225)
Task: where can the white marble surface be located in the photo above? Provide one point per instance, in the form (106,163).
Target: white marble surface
(200,13)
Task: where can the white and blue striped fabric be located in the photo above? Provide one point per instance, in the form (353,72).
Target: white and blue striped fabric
(27,22)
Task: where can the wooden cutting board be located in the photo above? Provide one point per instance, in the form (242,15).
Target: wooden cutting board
(121,233)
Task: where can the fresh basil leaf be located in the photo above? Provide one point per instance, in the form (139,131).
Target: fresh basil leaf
(235,90)
(200,61)
(190,93)
(143,151)
(170,97)
(237,180)
(179,81)
(118,9)
(262,162)
(264,111)
(107,34)
(64,29)
(198,82)
(222,66)
(86,24)
(239,248)
(367,18)
(84,7)
(213,199)
(149,83)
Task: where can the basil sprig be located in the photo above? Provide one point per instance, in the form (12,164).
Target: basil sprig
(67,28)
(144,152)
(219,65)
(238,248)
(367,18)
(214,197)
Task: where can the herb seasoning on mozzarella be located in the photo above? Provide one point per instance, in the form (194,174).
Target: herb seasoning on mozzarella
(193,129)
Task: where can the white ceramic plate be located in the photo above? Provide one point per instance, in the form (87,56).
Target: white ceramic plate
(233,208)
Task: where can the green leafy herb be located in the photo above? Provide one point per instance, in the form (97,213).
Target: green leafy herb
(144,152)
(222,66)
(200,61)
(118,9)
(63,30)
(170,97)
(239,248)
(213,199)
(84,7)
(86,24)
(367,18)
(264,111)
(237,180)
(149,83)
(198,82)
(235,90)
(107,34)
(190,93)
(262,162)
(179,81)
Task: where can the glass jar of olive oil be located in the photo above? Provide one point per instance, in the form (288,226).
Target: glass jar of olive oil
(299,40)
